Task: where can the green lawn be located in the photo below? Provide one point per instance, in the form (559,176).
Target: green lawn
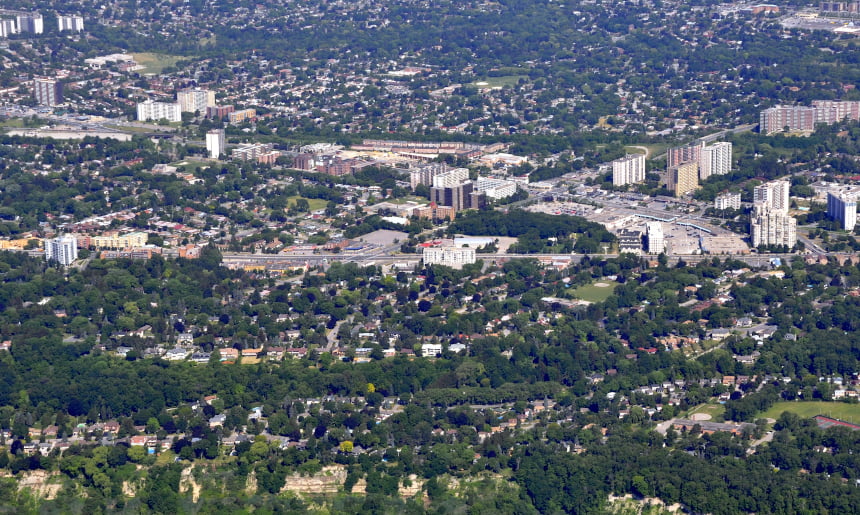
(314,203)
(12,123)
(155,63)
(499,82)
(840,410)
(594,293)
(190,165)
(715,410)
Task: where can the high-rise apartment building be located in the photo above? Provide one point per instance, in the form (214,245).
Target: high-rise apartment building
(795,118)
(771,226)
(451,178)
(151,110)
(629,169)
(62,250)
(195,100)
(654,238)
(460,197)
(728,201)
(32,23)
(7,28)
(773,194)
(842,207)
(496,188)
(683,178)
(680,155)
(833,111)
(215,143)
(70,23)
(426,174)
(715,159)
(48,92)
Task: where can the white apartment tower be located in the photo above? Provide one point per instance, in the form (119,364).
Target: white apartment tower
(654,236)
(451,178)
(33,23)
(842,207)
(62,250)
(629,169)
(771,226)
(7,28)
(774,195)
(728,201)
(195,100)
(70,23)
(215,143)
(715,160)
(150,110)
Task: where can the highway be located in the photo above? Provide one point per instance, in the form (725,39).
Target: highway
(246,259)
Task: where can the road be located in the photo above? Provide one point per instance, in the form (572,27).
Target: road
(246,259)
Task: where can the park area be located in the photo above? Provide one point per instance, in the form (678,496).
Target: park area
(839,410)
(595,292)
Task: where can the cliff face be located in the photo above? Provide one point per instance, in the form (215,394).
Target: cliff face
(327,481)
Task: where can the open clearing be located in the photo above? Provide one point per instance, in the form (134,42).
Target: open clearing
(713,411)
(597,292)
(840,410)
(499,82)
(155,63)
(314,203)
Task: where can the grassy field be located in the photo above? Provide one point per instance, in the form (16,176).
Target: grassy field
(314,203)
(12,123)
(594,293)
(155,63)
(654,150)
(716,411)
(499,82)
(840,410)
(190,165)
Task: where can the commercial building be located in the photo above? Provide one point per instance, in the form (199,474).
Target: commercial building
(48,92)
(842,207)
(62,250)
(496,189)
(771,226)
(654,238)
(683,178)
(32,23)
(629,169)
(454,257)
(195,100)
(774,195)
(215,143)
(728,201)
(71,23)
(715,159)
(151,110)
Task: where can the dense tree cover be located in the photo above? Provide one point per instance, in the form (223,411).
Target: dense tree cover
(576,234)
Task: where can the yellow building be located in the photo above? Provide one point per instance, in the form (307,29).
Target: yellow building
(683,178)
(19,244)
(117,241)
